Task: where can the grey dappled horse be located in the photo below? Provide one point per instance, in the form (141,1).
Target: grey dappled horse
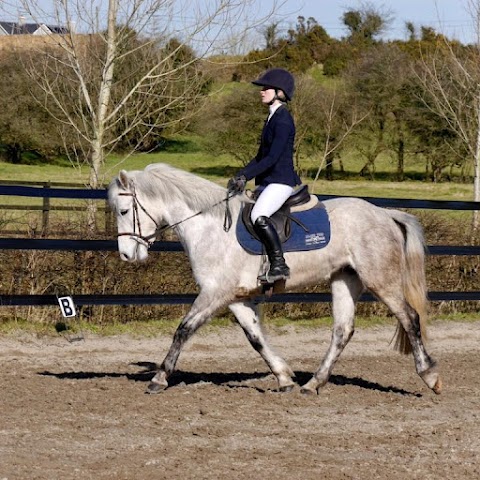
(371,248)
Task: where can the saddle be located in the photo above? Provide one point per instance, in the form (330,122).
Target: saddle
(282,218)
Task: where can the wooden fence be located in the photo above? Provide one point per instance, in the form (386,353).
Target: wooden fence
(42,189)
(53,190)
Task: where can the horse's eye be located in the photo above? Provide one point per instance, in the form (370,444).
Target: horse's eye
(123,212)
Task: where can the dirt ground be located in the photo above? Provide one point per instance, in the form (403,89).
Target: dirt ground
(77,410)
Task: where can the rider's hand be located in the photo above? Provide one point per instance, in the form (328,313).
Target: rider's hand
(236,184)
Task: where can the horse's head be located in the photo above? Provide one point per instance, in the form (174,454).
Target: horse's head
(136,227)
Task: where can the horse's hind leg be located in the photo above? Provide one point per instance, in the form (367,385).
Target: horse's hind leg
(410,321)
(247,317)
(346,289)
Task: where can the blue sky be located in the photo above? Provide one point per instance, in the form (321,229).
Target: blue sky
(450,17)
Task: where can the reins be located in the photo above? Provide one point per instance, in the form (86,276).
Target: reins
(148,240)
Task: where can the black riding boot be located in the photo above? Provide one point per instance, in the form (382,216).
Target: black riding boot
(269,237)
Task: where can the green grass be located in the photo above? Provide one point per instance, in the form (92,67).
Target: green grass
(186,153)
(73,329)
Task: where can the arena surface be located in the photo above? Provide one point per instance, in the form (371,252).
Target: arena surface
(77,410)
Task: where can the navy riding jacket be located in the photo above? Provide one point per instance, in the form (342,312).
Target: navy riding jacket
(274,160)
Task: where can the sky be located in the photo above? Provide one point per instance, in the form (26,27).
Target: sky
(450,17)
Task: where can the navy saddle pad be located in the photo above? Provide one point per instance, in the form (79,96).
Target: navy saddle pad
(316,235)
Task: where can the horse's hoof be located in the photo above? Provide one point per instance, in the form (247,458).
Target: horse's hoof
(308,391)
(437,388)
(432,379)
(155,387)
(286,388)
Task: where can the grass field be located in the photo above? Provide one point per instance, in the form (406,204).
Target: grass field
(186,154)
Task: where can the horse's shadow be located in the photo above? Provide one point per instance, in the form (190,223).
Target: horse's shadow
(231,379)
(341,380)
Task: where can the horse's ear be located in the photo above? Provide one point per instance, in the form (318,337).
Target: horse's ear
(123,179)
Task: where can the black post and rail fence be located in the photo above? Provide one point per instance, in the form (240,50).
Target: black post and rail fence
(46,191)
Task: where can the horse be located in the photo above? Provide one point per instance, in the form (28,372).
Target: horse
(372,249)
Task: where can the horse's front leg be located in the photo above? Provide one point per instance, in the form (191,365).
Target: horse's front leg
(247,316)
(202,310)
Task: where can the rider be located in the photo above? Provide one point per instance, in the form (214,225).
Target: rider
(272,167)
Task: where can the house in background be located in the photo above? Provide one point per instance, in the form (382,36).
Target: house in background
(22,28)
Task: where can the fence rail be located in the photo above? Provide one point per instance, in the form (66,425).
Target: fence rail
(173,299)
(163,246)
(101,194)
(188,298)
(48,190)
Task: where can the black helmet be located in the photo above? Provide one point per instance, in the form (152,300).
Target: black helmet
(278,78)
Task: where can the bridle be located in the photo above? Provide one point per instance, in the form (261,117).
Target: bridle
(148,240)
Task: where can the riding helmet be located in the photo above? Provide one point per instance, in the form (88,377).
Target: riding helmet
(278,78)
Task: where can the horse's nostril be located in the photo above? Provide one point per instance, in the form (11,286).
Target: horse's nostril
(124,257)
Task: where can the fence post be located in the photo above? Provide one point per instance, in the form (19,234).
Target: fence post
(45,211)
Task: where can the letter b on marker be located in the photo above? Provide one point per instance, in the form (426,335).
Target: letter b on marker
(67,306)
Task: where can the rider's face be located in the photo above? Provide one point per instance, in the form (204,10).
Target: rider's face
(267,94)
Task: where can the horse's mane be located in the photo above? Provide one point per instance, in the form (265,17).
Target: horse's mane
(167,182)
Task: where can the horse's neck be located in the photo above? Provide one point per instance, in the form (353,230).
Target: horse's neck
(206,229)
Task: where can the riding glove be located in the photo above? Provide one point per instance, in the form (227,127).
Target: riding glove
(237,184)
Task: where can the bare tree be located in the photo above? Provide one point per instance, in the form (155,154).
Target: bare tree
(236,117)
(129,68)
(325,118)
(271,35)
(450,80)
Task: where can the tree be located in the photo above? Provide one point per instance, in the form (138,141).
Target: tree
(325,118)
(306,45)
(380,84)
(80,75)
(24,125)
(366,23)
(412,33)
(159,118)
(435,141)
(236,118)
(449,76)
(311,40)
(270,34)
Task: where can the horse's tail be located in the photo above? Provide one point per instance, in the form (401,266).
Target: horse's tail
(414,282)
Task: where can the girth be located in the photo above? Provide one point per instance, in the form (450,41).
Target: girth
(282,218)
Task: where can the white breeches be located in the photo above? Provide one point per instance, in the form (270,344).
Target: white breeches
(273,196)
